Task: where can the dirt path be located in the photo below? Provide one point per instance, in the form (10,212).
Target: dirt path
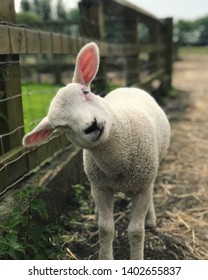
(181,191)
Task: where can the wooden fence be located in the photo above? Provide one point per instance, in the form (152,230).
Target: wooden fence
(141,41)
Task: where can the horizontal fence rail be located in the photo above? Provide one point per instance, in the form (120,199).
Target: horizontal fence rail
(26,41)
(129,38)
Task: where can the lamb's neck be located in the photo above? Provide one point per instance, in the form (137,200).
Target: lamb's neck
(110,155)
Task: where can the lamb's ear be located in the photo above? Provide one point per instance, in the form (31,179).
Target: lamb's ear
(39,134)
(87,64)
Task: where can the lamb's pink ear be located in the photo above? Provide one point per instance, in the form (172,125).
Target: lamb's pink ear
(87,64)
(39,134)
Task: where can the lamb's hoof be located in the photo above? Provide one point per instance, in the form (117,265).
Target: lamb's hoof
(150,223)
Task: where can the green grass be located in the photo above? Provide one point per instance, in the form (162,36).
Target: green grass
(193,50)
(36,100)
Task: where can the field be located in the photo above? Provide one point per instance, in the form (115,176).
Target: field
(199,51)
(36,99)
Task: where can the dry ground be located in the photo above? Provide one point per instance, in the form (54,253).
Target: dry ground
(181,191)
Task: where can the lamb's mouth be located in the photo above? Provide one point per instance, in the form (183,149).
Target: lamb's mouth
(100,133)
(66,128)
(95,130)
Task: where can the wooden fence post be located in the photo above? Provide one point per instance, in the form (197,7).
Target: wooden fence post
(92,25)
(169,48)
(131,21)
(11,112)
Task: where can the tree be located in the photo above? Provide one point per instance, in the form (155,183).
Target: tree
(25,5)
(73,16)
(61,11)
(43,8)
(192,32)
(202,26)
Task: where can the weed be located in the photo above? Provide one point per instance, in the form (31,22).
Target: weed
(22,236)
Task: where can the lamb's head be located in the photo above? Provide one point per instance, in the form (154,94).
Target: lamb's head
(75,109)
(81,114)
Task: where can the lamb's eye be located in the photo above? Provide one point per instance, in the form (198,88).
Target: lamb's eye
(85,90)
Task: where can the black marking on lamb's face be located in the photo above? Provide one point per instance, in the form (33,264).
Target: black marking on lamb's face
(93,127)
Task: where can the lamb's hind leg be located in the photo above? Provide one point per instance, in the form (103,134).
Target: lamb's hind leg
(151,220)
(136,231)
(104,205)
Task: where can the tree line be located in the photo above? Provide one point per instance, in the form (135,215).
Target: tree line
(44,15)
(55,17)
(193,32)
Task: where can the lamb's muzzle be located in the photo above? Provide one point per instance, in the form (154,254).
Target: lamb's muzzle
(94,127)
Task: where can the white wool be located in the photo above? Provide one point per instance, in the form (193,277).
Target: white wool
(138,140)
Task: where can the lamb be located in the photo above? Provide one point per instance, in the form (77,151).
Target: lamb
(124,136)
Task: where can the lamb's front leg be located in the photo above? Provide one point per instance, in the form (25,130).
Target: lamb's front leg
(136,228)
(104,203)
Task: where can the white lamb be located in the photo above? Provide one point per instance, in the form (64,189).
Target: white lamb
(124,136)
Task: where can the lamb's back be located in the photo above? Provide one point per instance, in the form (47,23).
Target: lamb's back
(133,98)
(140,104)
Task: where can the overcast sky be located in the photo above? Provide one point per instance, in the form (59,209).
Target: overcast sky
(179,9)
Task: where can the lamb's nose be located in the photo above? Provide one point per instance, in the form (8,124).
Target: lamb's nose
(93,127)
